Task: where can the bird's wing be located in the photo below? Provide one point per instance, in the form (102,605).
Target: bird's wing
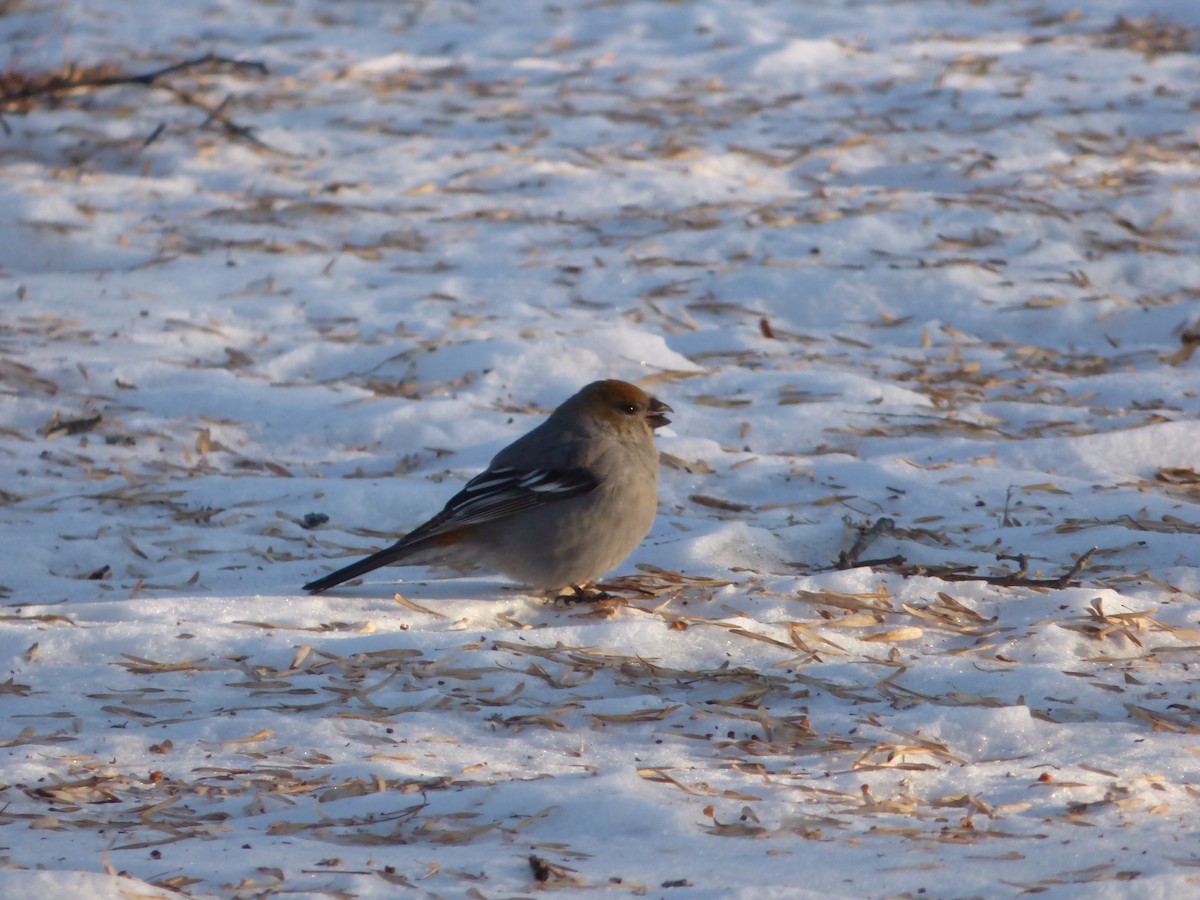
(501,492)
(494,494)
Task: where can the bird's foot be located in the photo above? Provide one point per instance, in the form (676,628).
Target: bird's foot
(582,593)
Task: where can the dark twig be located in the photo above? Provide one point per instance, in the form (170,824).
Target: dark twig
(154,135)
(1020,559)
(28,88)
(968,573)
(1005,521)
(18,92)
(848,559)
(1075,569)
(215,114)
(886,562)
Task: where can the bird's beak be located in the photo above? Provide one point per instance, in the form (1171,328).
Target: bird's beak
(656,417)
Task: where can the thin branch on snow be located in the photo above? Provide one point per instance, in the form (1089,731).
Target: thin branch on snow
(848,559)
(899,566)
(19,93)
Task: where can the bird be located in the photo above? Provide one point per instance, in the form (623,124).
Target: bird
(554,510)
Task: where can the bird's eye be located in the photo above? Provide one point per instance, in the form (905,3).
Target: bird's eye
(628,408)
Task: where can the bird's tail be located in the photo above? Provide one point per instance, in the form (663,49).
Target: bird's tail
(362,567)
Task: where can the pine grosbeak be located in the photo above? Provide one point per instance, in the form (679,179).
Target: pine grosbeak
(556,508)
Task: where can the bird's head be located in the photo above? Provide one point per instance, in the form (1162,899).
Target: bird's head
(623,406)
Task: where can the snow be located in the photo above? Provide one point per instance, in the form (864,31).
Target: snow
(925,261)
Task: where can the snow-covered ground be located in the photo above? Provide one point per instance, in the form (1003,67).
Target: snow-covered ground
(932,261)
